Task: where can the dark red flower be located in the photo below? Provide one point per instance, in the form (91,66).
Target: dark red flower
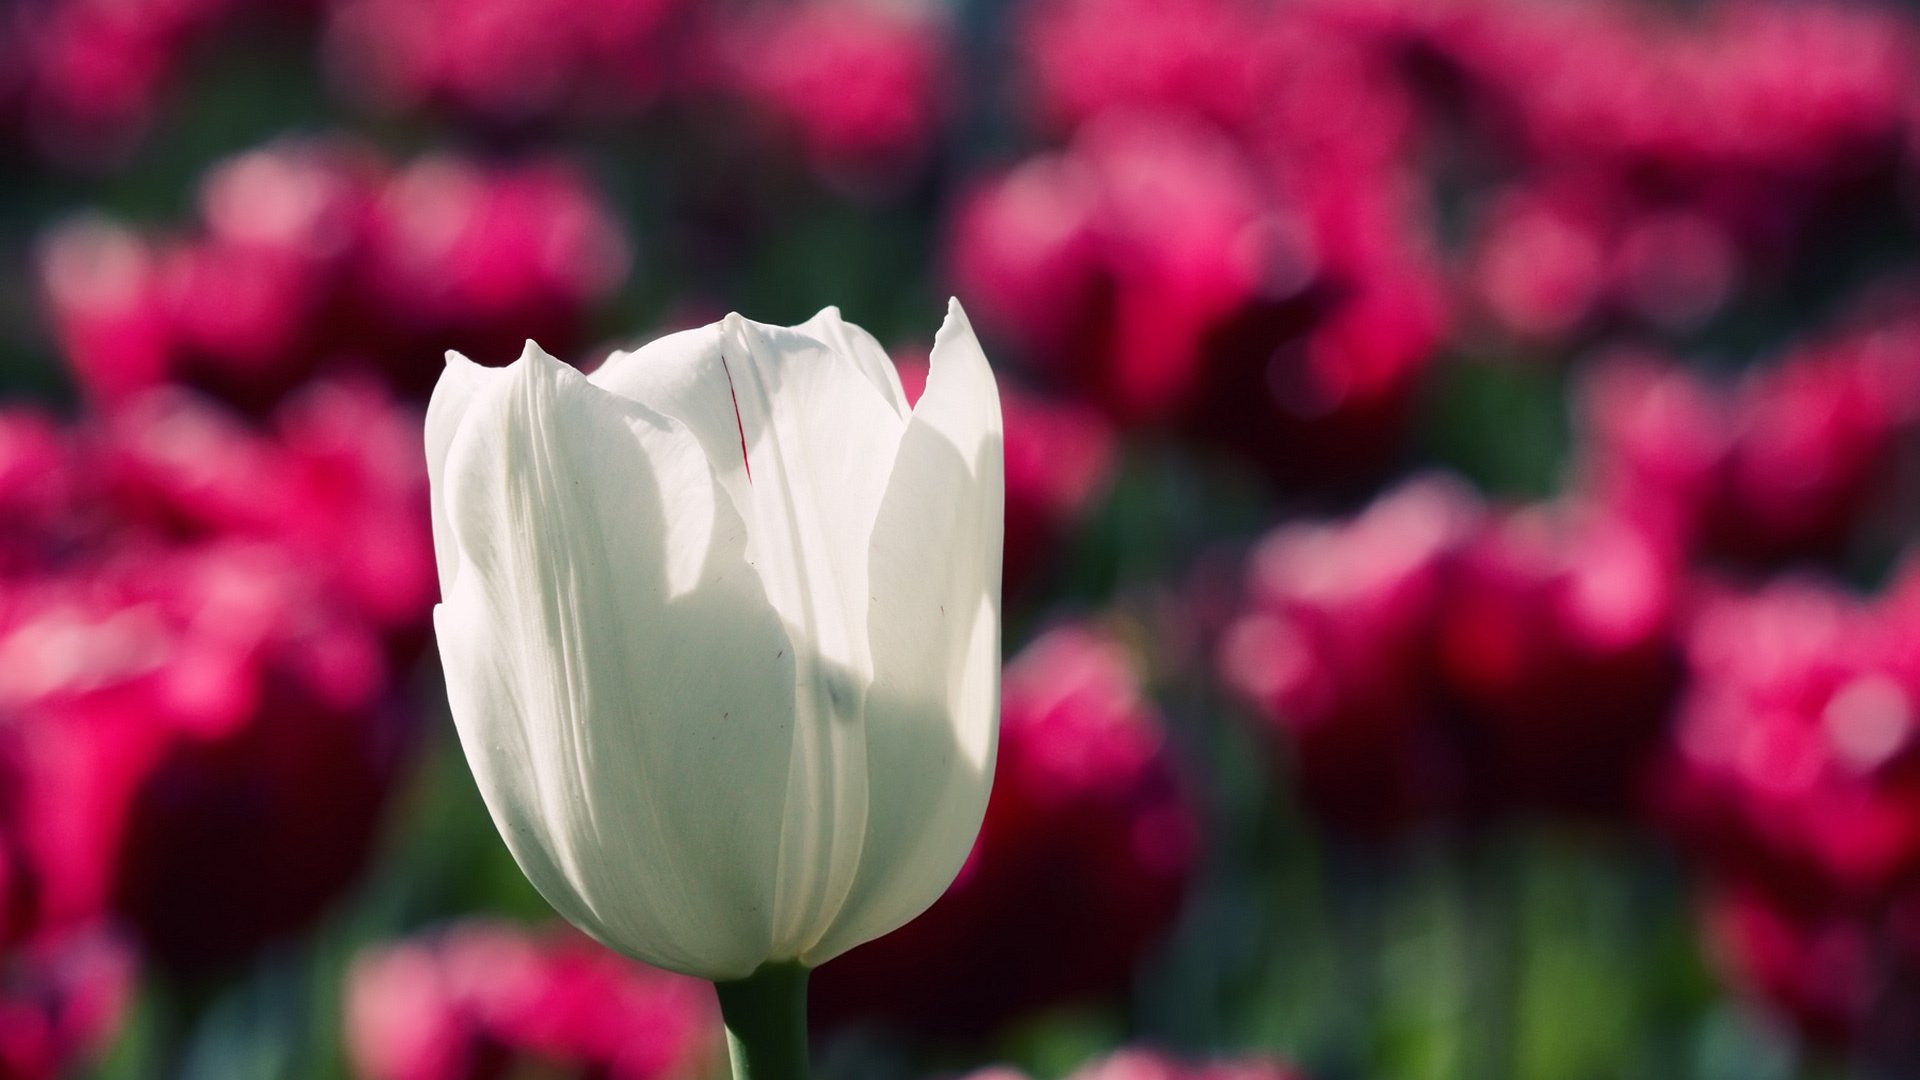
(1784,465)
(1559,654)
(1080,866)
(1429,659)
(1336,651)
(203,647)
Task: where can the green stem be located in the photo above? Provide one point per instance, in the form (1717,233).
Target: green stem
(766,1018)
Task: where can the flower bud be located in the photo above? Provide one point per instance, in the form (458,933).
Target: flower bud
(721,627)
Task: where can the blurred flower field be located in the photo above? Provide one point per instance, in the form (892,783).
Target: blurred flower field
(1463,527)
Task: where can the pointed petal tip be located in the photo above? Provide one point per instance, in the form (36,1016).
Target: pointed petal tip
(957,314)
(737,329)
(959,373)
(956,331)
(458,381)
(535,361)
(956,325)
(744,333)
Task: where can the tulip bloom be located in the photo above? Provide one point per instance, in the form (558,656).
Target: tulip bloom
(721,628)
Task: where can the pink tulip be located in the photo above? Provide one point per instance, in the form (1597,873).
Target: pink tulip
(1081,864)
(482,999)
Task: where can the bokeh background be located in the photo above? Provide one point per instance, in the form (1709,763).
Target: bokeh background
(1461,487)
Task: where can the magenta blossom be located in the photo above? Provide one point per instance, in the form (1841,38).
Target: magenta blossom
(481,1000)
(203,645)
(1784,465)
(1430,659)
(507,62)
(1081,864)
(316,256)
(859,85)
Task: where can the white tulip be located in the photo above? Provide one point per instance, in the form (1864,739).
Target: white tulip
(721,629)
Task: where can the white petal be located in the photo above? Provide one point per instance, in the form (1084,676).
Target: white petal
(803,426)
(630,724)
(821,443)
(459,382)
(856,344)
(681,375)
(934,621)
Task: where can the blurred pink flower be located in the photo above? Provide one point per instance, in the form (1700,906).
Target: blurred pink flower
(61,1000)
(83,78)
(1155,269)
(36,487)
(507,62)
(211,741)
(1086,56)
(1793,765)
(338,484)
(1753,112)
(1335,650)
(1816,971)
(1794,781)
(1651,165)
(1804,88)
(481,1000)
(265,805)
(1080,866)
(1558,648)
(862,84)
(315,256)
(1299,84)
(1549,264)
(1540,267)
(1429,659)
(1255,170)
(1783,465)
(480,258)
(204,659)
(1110,262)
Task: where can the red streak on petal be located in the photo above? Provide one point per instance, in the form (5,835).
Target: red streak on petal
(737,425)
